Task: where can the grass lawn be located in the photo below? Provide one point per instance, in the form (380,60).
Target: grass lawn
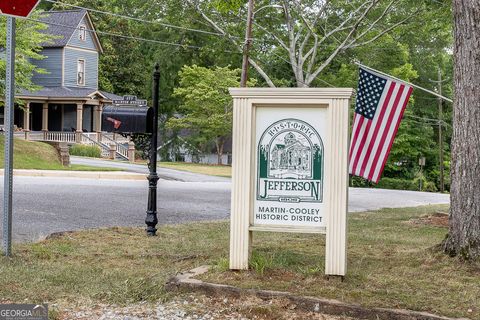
(40,156)
(213,170)
(390,264)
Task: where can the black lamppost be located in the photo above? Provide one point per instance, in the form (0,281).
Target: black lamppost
(151,219)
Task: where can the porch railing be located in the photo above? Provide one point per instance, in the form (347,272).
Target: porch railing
(91,135)
(60,136)
(87,138)
(115,137)
(105,150)
(53,136)
(120,148)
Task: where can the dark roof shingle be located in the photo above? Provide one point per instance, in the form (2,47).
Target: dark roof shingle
(66,92)
(61,24)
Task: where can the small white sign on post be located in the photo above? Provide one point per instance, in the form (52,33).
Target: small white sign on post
(290,168)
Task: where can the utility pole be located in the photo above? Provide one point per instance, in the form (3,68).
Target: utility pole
(440,127)
(248,43)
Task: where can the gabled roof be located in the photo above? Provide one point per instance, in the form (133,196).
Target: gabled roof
(68,93)
(63,24)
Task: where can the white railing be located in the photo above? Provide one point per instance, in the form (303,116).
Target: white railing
(115,137)
(19,135)
(87,138)
(53,136)
(119,148)
(60,136)
(105,150)
(36,136)
(91,135)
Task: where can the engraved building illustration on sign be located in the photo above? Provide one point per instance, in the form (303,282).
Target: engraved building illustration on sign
(290,163)
(293,156)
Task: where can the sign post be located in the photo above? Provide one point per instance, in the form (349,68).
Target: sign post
(11,8)
(151,220)
(290,168)
(9,111)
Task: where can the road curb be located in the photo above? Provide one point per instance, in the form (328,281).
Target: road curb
(186,282)
(115,175)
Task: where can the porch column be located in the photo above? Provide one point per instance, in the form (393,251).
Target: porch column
(79,122)
(26,120)
(100,112)
(97,121)
(45,120)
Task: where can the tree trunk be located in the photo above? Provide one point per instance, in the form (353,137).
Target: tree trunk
(464,234)
(219,142)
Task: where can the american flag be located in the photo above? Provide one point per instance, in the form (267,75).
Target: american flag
(379,109)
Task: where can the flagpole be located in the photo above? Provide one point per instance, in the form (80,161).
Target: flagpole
(409,83)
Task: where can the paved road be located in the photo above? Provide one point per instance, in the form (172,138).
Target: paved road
(44,205)
(163,173)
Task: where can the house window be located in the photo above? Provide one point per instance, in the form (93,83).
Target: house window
(81,72)
(83,33)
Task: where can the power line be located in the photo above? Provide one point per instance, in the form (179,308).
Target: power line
(125,36)
(151,41)
(428,120)
(165,25)
(425,119)
(136,19)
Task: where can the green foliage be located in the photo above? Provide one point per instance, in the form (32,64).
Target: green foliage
(206,105)
(413,51)
(28,46)
(85,151)
(404,184)
(142,143)
(261,262)
(227,5)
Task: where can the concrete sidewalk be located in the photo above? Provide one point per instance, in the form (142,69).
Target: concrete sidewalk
(115,175)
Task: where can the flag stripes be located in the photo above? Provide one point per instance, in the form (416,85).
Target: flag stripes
(372,138)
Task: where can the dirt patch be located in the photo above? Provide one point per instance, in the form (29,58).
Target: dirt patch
(438,219)
(196,306)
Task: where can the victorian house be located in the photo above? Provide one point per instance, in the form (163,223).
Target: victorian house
(69,105)
(69,100)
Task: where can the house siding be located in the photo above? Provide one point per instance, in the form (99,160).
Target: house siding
(89,42)
(53,64)
(72,56)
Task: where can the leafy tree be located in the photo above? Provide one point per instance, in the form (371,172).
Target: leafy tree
(206,105)
(28,46)
(308,35)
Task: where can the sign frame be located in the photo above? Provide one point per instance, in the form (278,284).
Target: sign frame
(246,103)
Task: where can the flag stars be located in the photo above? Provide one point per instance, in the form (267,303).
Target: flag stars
(369,93)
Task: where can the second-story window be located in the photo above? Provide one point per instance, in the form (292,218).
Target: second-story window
(81,72)
(82,33)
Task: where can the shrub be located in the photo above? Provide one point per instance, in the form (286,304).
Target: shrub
(85,151)
(404,184)
(399,184)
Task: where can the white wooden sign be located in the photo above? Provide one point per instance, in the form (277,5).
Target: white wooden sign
(290,153)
